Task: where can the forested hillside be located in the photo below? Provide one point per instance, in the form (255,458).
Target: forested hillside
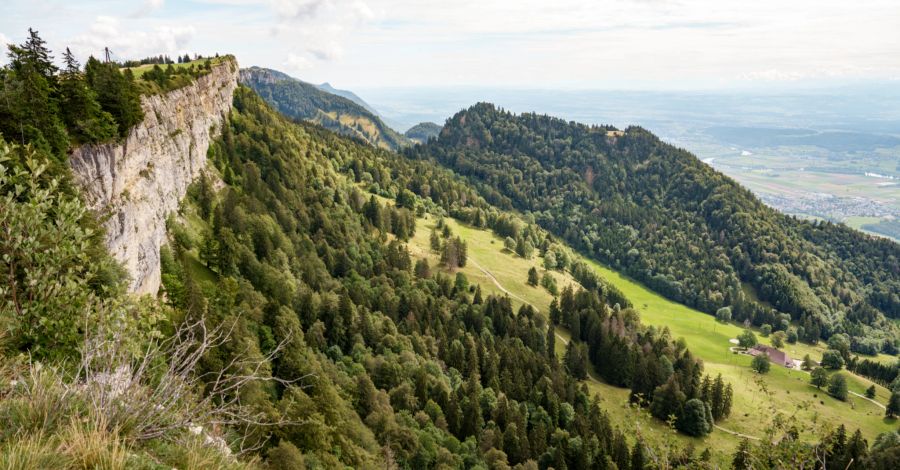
(423,131)
(295,329)
(434,371)
(659,214)
(300,100)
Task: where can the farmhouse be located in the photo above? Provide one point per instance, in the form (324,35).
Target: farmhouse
(775,355)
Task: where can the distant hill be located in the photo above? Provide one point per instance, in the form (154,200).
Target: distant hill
(326,87)
(423,131)
(315,103)
(660,215)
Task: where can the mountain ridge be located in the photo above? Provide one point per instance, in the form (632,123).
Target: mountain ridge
(623,189)
(302,100)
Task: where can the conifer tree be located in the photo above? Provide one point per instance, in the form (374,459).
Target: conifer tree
(29,108)
(435,241)
(638,460)
(79,108)
(551,342)
(116,92)
(893,407)
(533,277)
(743,458)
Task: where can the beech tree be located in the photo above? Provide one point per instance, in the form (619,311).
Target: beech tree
(819,377)
(837,386)
(761,363)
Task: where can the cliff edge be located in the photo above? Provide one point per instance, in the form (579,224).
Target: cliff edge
(136,183)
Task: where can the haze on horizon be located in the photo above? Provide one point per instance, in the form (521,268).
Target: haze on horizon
(635,44)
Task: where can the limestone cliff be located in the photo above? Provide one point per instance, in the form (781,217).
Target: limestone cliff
(136,183)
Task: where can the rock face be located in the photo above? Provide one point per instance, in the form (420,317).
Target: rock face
(138,182)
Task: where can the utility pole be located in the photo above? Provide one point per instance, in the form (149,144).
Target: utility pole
(107,52)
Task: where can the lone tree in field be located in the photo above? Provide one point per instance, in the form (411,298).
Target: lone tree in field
(837,387)
(893,406)
(870,392)
(819,377)
(723,314)
(533,278)
(761,363)
(747,339)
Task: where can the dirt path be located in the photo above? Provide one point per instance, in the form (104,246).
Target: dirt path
(858,395)
(867,398)
(734,433)
(500,286)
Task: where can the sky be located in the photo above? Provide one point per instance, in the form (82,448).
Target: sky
(597,44)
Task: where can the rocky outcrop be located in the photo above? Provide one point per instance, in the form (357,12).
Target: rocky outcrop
(135,184)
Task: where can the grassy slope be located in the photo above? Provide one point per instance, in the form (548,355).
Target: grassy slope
(707,338)
(140,70)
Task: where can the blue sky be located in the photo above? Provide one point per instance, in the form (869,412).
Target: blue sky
(651,44)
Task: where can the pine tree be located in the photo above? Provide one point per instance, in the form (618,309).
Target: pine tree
(893,407)
(435,241)
(667,400)
(477,298)
(856,449)
(533,279)
(638,460)
(116,92)
(726,401)
(870,392)
(450,254)
(718,398)
(422,269)
(462,252)
(551,342)
(31,104)
(706,390)
(743,459)
(79,108)
(372,211)
(694,419)
(621,455)
(575,360)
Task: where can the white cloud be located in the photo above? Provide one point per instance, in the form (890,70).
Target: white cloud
(520,43)
(128,43)
(296,64)
(315,30)
(4,40)
(148,7)
(773,75)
